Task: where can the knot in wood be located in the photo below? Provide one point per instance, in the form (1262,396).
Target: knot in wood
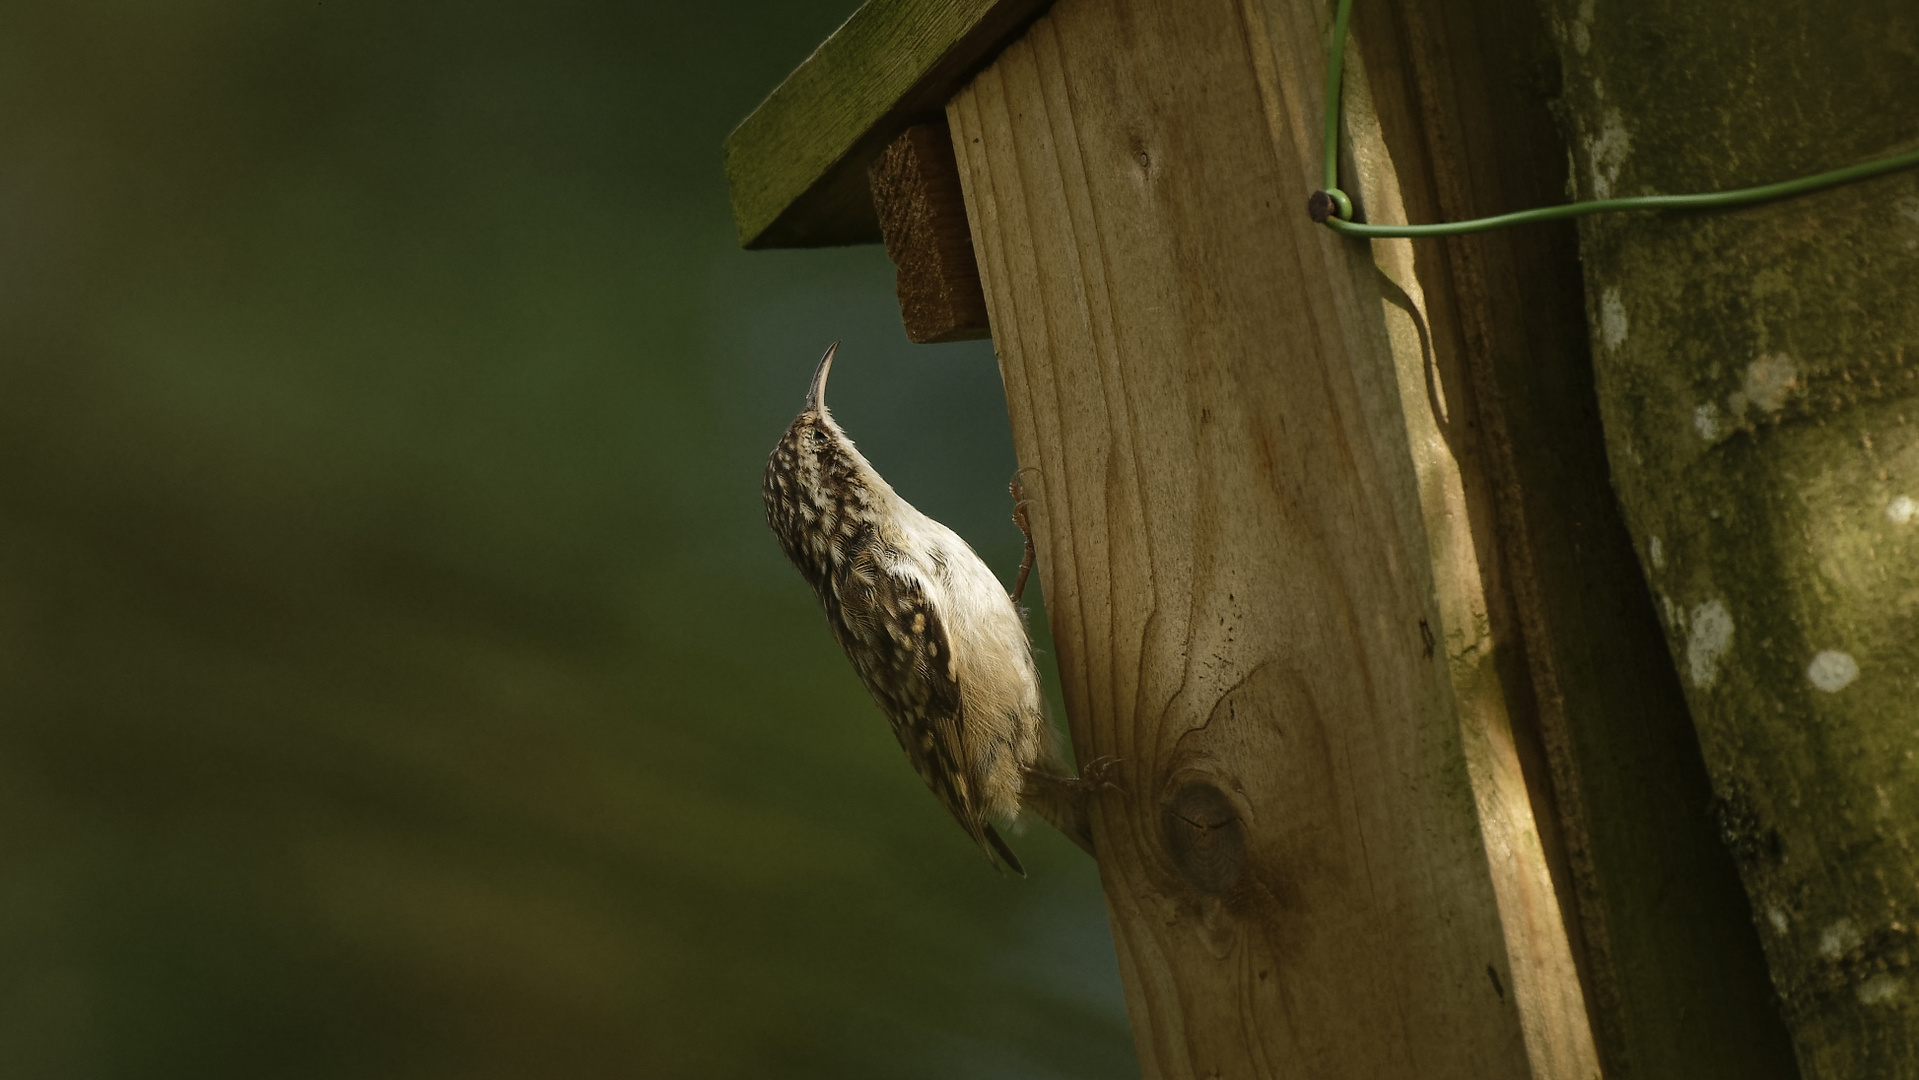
(1203,837)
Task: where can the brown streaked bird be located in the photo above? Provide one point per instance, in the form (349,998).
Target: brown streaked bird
(939,643)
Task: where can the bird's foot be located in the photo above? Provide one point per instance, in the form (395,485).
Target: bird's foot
(1065,801)
(1020,503)
(1100,774)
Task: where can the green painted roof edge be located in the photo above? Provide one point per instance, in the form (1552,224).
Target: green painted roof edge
(796,167)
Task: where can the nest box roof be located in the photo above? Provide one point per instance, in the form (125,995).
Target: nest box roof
(797,166)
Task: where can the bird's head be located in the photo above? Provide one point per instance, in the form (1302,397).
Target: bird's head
(816,483)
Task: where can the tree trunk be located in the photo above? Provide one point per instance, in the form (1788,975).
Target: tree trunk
(1758,373)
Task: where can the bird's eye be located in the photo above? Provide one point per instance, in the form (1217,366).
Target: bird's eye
(819,437)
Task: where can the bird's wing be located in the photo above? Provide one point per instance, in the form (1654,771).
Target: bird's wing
(901,650)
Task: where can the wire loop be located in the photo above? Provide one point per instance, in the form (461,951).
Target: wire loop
(1335,210)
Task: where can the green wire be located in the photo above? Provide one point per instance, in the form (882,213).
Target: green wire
(1342,208)
(1334,63)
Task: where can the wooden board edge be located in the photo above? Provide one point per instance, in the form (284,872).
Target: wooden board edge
(797,165)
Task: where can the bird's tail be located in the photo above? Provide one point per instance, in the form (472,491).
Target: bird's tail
(997,846)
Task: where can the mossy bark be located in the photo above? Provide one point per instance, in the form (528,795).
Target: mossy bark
(1758,373)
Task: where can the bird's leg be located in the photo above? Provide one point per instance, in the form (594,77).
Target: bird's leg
(1020,503)
(1048,790)
(1065,802)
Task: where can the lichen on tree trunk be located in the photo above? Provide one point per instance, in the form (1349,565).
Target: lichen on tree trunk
(1758,372)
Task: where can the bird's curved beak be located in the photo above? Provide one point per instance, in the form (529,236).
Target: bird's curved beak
(816,394)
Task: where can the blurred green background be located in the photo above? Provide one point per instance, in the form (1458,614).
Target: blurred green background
(396,675)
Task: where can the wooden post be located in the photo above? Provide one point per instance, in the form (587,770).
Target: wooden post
(1259,565)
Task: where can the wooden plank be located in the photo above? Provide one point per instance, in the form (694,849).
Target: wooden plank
(922,212)
(1678,981)
(1485,653)
(1261,539)
(797,165)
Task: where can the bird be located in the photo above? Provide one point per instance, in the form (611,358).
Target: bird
(940,644)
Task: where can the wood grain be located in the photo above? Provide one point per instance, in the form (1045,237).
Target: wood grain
(922,213)
(1256,517)
(796,167)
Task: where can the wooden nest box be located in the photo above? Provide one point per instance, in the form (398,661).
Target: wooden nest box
(1324,527)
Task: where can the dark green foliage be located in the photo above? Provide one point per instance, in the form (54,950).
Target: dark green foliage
(396,676)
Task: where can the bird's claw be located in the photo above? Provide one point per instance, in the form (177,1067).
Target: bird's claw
(1101,774)
(1020,503)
